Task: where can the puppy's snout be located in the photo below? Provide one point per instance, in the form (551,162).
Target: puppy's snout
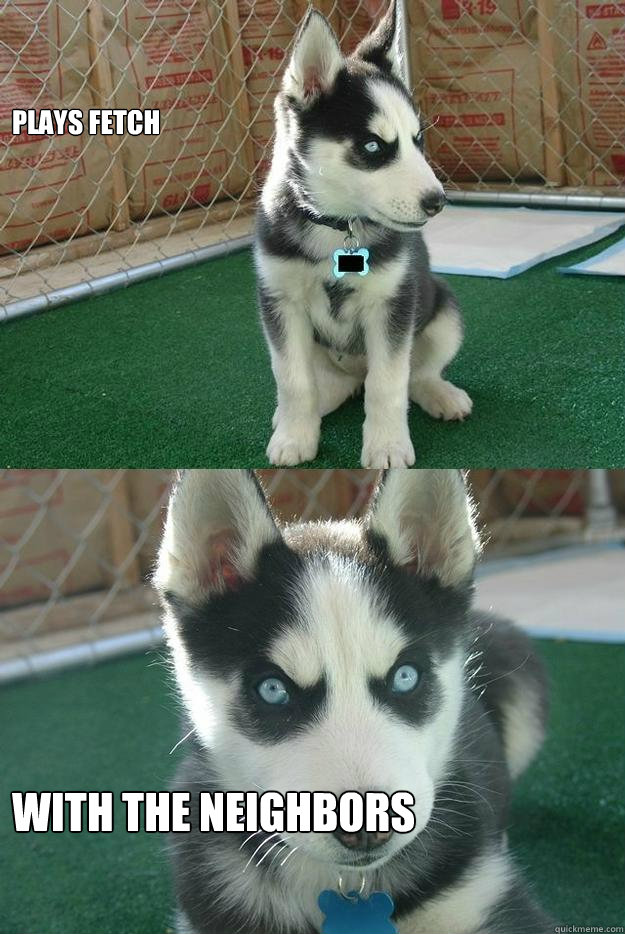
(432,202)
(363,840)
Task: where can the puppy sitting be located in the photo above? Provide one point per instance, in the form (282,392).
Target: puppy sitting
(349,174)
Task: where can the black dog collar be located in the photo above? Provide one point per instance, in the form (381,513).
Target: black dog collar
(336,223)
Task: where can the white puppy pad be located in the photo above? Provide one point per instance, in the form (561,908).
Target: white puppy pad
(574,593)
(502,242)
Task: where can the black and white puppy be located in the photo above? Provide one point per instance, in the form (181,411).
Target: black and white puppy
(349,145)
(346,656)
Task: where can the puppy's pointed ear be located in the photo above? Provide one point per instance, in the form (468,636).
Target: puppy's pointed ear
(381,47)
(426,519)
(315,61)
(217,522)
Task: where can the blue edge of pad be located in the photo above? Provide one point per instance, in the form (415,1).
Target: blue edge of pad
(582,268)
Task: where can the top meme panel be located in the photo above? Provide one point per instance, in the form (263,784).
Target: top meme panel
(352,234)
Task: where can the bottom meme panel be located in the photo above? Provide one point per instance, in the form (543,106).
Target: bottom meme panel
(311,701)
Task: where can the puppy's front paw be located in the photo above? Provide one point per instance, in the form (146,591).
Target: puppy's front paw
(441,399)
(293,442)
(382,450)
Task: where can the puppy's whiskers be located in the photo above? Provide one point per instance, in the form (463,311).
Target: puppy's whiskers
(258,848)
(180,742)
(247,839)
(288,856)
(277,854)
(427,124)
(272,847)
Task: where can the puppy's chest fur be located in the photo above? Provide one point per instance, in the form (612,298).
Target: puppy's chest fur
(341,310)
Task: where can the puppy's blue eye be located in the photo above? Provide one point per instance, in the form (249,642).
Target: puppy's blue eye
(372,146)
(405,679)
(273,691)
(418,139)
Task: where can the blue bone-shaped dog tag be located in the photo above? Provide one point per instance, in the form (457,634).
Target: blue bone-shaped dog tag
(351,261)
(356,915)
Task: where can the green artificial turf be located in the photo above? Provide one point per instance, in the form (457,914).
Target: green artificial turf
(174,372)
(111,728)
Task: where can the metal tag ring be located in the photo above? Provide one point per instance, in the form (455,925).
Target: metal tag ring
(347,895)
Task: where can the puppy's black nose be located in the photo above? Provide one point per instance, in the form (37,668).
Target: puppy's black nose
(363,840)
(433,202)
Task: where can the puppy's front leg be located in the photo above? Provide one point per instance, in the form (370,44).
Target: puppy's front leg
(296,421)
(386,439)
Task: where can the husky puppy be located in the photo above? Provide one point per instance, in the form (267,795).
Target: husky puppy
(387,680)
(349,145)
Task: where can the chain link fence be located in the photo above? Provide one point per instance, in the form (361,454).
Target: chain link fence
(77,546)
(524,99)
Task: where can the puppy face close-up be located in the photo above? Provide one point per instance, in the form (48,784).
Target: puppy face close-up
(324,657)
(355,137)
